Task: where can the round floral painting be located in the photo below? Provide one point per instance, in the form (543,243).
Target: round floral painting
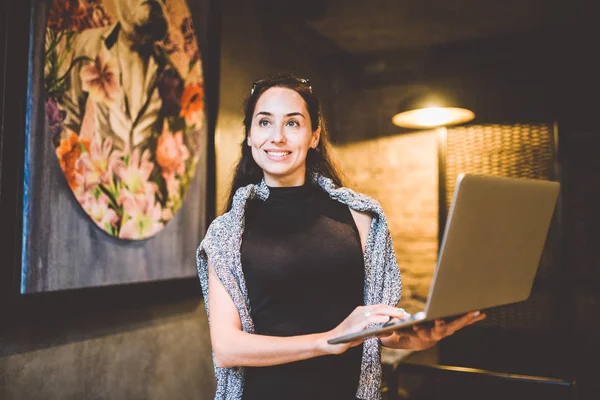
(125,108)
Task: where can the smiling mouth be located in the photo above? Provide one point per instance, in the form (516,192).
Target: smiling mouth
(278,153)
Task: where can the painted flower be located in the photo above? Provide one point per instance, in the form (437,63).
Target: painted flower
(192,104)
(69,152)
(98,17)
(67,14)
(99,210)
(171,152)
(190,44)
(55,116)
(77,15)
(100,79)
(136,173)
(96,164)
(167,214)
(142,215)
(170,88)
(173,188)
(100,162)
(88,122)
(169,45)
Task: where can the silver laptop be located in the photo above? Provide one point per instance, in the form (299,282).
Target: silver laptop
(491,248)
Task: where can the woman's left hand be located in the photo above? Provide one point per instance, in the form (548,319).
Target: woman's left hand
(421,337)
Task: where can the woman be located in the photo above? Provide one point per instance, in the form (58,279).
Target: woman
(296,260)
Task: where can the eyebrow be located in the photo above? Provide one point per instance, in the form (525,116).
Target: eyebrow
(292,114)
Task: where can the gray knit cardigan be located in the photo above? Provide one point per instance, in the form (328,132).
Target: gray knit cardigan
(222,246)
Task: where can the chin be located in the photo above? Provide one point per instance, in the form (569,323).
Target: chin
(277,173)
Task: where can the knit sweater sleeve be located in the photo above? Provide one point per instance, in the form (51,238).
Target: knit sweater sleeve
(214,247)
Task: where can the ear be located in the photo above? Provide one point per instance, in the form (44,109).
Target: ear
(316,137)
(248,141)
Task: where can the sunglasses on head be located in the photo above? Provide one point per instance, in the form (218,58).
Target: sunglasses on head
(258,83)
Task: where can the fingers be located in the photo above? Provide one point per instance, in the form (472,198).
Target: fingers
(376,319)
(465,320)
(480,317)
(379,314)
(440,330)
(476,318)
(424,337)
(407,338)
(383,309)
(423,334)
(437,332)
(363,323)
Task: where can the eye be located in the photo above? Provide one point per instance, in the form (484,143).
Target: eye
(293,123)
(264,122)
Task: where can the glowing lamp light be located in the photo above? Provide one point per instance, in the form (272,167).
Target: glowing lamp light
(431,109)
(431,117)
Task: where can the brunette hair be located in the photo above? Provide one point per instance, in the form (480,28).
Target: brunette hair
(317,160)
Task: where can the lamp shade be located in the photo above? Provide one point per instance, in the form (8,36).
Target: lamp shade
(431,111)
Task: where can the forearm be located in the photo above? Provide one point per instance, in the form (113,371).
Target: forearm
(242,349)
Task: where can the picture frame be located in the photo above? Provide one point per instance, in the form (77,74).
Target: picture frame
(32,193)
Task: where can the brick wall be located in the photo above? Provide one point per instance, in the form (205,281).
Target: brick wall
(401,172)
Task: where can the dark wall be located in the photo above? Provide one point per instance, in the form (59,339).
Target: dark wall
(149,352)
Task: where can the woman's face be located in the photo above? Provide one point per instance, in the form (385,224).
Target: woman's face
(281,135)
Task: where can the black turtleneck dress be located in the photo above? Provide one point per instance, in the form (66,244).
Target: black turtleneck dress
(304,270)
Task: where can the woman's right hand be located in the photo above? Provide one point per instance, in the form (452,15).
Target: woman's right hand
(360,318)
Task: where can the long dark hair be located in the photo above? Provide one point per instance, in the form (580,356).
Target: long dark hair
(317,160)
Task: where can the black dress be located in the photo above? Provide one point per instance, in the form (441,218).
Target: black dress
(304,270)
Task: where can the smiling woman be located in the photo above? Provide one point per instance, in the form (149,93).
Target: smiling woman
(307,114)
(297,260)
(281,136)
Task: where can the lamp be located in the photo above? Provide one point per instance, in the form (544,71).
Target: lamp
(431,111)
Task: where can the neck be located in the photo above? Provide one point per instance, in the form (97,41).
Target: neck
(297,180)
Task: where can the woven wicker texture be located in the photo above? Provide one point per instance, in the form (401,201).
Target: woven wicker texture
(517,151)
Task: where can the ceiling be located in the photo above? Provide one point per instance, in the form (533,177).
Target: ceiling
(360,26)
(394,41)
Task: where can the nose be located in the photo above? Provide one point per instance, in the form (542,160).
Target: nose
(278,135)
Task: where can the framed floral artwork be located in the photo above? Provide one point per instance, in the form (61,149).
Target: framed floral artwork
(118,150)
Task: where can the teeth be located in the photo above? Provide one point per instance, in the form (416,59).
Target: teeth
(278,153)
